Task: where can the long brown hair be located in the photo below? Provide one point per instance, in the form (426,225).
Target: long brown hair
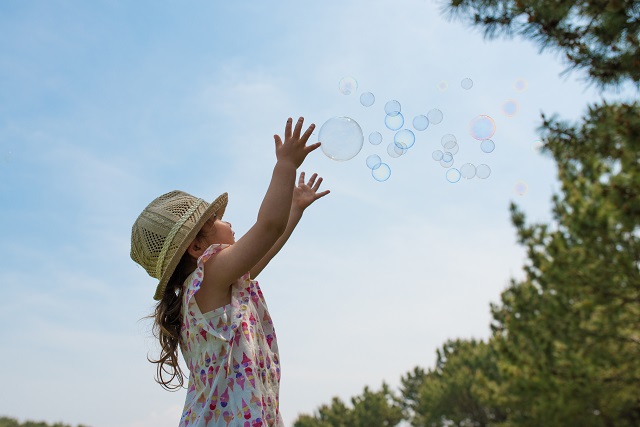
(167,324)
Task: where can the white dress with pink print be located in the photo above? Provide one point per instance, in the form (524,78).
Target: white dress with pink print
(232,355)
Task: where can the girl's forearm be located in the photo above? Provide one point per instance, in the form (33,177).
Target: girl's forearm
(275,207)
(294,218)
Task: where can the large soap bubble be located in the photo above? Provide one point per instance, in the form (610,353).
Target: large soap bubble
(341,138)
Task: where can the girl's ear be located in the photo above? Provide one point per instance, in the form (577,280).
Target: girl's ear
(196,249)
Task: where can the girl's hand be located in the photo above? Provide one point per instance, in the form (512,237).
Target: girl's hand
(294,148)
(305,194)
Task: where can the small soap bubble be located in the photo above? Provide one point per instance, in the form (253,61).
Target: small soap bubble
(452,147)
(434,116)
(510,107)
(443,86)
(453,175)
(483,171)
(367,99)
(487,145)
(520,85)
(437,155)
(375,138)
(396,150)
(448,139)
(482,127)
(447,157)
(373,161)
(382,172)
(392,107)
(420,122)
(446,164)
(341,138)
(468,170)
(404,138)
(466,83)
(394,121)
(521,188)
(347,85)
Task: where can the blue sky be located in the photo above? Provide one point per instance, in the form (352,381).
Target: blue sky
(105,105)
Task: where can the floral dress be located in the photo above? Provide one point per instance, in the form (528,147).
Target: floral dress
(232,355)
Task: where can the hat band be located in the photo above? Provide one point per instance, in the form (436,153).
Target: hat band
(174,230)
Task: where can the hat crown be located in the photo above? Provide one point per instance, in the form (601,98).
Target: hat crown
(170,216)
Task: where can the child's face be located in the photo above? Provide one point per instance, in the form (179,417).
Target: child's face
(217,231)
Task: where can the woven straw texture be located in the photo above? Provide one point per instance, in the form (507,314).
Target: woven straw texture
(165,228)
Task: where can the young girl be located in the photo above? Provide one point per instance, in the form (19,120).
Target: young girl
(209,303)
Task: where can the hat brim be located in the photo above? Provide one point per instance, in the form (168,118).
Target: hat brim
(217,208)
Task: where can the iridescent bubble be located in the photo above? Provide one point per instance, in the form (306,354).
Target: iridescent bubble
(394,121)
(392,107)
(521,188)
(341,138)
(510,107)
(443,86)
(466,83)
(420,122)
(434,116)
(404,138)
(367,99)
(487,146)
(373,161)
(520,85)
(437,155)
(468,170)
(382,172)
(453,175)
(347,85)
(482,127)
(483,171)
(375,138)
(448,140)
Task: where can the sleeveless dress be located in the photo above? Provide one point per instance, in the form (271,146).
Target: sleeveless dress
(232,355)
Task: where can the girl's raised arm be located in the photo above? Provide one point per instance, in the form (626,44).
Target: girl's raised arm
(230,264)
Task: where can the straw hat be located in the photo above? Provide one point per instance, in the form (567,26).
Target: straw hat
(163,231)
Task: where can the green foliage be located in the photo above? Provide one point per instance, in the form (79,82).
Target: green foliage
(371,409)
(600,36)
(11,422)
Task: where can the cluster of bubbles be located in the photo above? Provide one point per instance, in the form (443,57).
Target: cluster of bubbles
(342,138)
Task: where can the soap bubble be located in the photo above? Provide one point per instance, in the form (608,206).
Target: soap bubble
(375,138)
(521,188)
(536,146)
(392,107)
(373,161)
(382,172)
(446,164)
(483,171)
(510,107)
(396,150)
(341,138)
(453,175)
(447,157)
(443,86)
(447,139)
(482,127)
(434,116)
(420,122)
(367,99)
(487,146)
(466,83)
(468,170)
(452,147)
(404,138)
(347,85)
(437,155)
(520,85)
(394,121)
